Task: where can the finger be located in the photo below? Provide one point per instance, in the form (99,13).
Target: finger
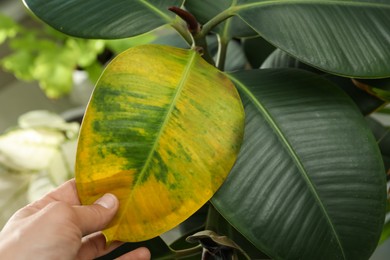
(66,192)
(141,253)
(95,217)
(94,246)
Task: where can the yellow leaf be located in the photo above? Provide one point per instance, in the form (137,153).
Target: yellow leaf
(161,132)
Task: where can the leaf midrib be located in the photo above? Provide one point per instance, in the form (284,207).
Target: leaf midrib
(240,7)
(181,85)
(155,10)
(268,117)
(179,88)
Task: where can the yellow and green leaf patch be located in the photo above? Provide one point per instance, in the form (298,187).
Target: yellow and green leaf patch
(161,132)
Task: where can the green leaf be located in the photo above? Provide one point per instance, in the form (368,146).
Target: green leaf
(104,19)
(120,45)
(156,117)
(345,37)
(257,50)
(235,56)
(281,59)
(217,223)
(19,63)
(171,38)
(309,182)
(233,27)
(86,51)
(365,100)
(54,71)
(8,28)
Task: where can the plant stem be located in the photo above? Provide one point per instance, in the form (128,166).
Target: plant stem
(223,41)
(209,218)
(214,221)
(188,252)
(200,43)
(183,31)
(222,50)
(206,28)
(197,37)
(192,33)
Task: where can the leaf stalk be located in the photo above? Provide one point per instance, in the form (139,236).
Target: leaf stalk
(199,42)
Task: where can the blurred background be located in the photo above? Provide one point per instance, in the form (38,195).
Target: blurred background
(17,96)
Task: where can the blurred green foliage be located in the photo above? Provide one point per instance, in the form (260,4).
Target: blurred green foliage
(50,57)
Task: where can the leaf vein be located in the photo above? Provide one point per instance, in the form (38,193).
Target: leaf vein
(268,117)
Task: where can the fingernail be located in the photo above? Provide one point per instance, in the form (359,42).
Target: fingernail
(108,201)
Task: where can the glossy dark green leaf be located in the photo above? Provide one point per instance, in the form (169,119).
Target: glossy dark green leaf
(365,100)
(217,223)
(104,19)
(309,182)
(346,37)
(204,11)
(281,59)
(171,38)
(257,50)
(235,56)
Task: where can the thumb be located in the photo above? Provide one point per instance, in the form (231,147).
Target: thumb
(95,217)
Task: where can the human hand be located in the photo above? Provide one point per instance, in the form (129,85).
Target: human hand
(58,227)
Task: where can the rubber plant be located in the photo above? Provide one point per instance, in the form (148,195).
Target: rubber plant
(276,162)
